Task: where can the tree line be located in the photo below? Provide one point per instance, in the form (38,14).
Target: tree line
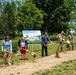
(45,15)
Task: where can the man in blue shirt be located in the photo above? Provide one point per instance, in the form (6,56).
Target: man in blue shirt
(44,41)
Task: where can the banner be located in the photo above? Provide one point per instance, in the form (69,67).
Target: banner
(32,36)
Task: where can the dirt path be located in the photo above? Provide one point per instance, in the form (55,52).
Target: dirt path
(41,64)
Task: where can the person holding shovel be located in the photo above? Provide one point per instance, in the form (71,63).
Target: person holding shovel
(60,37)
(7,50)
(71,39)
(23,45)
(44,41)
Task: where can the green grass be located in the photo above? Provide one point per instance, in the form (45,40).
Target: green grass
(66,68)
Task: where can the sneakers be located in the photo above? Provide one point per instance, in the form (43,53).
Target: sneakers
(9,64)
(23,58)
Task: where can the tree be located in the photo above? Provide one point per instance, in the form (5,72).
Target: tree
(73,16)
(29,17)
(1,23)
(8,17)
(55,14)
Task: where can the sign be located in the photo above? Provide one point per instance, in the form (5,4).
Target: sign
(32,36)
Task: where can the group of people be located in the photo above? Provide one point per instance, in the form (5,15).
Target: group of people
(68,39)
(7,49)
(23,45)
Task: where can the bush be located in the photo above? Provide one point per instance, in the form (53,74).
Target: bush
(1,37)
(18,36)
(15,46)
(54,37)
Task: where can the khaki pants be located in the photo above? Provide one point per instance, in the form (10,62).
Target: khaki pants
(72,46)
(7,57)
(59,48)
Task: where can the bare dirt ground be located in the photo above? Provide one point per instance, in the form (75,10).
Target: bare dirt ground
(27,68)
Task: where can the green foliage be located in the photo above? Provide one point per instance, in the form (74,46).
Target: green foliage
(29,17)
(8,18)
(56,14)
(15,46)
(54,37)
(46,15)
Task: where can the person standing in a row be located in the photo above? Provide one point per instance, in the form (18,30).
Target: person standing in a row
(60,43)
(44,41)
(23,45)
(71,39)
(7,48)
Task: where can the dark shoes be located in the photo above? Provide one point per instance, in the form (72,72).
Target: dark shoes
(45,55)
(57,56)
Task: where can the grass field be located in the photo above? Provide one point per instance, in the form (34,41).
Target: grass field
(66,68)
